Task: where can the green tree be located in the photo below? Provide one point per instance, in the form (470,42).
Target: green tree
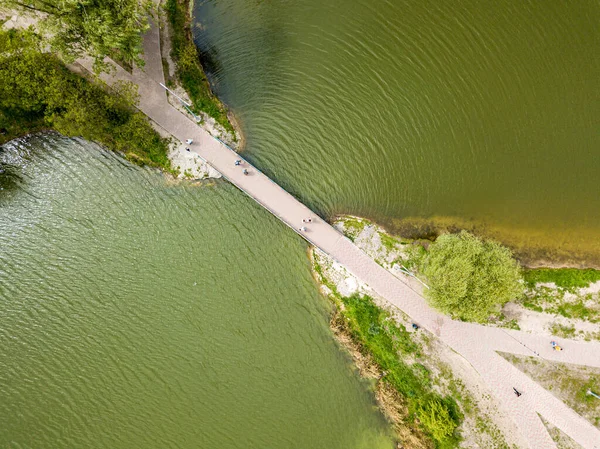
(98,28)
(470,278)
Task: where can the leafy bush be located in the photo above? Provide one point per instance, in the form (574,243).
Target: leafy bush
(470,278)
(436,416)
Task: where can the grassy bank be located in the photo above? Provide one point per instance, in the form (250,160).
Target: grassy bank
(431,417)
(37,91)
(385,341)
(189,71)
(565,298)
(562,277)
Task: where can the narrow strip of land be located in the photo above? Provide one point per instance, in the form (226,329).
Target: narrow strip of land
(477,344)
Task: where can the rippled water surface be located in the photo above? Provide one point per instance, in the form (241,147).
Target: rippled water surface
(139,314)
(485,112)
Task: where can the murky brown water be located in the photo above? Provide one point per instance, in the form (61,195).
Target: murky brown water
(483,114)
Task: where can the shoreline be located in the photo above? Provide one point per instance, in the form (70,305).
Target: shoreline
(181,165)
(190,79)
(546,309)
(533,249)
(555,301)
(389,402)
(438,370)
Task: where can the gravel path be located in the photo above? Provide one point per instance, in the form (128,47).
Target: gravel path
(477,344)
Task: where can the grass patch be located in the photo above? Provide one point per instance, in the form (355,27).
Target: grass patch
(189,71)
(579,311)
(557,301)
(563,331)
(532,306)
(569,278)
(593,385)
(390,242)
(380,337)
(353,227)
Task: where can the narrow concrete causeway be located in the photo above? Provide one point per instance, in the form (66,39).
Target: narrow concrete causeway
(477,344)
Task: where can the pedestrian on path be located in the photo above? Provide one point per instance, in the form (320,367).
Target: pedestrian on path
(187,149)
(238,162)
(517,392)
(244,171)
(302,229)
(189,141)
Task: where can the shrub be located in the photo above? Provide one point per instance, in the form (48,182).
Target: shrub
(189,70)
(436,416)
(373,328)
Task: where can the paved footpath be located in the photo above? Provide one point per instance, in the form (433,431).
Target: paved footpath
(477,344)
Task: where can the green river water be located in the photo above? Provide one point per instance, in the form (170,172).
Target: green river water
(141,314)
(481,113)
(138,313)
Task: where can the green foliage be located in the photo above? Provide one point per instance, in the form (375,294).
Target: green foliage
(39,87)
(96,28)
(416,254)
(470,278)
(436,415)
(388,241)
(384,340)
(513,324)
(189,70)
(561,330)
(16,125)
(578,310)
(563,277)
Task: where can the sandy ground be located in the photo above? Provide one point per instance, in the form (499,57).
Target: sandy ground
(567,382)
(551,321)
(190,165)
(543,323)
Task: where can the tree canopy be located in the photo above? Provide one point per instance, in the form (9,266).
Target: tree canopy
(37,86)
(470,278)
(98,28)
